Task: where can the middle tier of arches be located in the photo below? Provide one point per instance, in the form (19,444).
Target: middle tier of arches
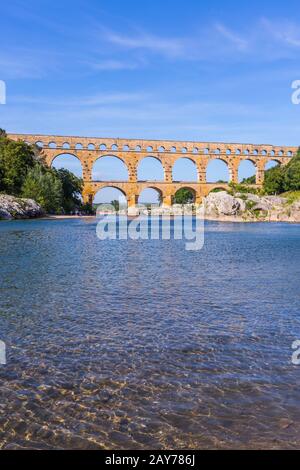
(114,167)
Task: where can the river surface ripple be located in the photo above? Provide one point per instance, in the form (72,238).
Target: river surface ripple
(144,345)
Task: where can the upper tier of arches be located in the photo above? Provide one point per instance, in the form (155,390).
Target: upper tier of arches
(159,147)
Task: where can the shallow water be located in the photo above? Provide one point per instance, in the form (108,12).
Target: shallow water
(142,344)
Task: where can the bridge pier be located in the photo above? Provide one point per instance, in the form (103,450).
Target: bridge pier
(167,200)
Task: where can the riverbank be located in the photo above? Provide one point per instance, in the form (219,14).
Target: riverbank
(219,206)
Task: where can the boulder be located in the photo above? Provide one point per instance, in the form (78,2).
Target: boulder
(222,203)
(17,208)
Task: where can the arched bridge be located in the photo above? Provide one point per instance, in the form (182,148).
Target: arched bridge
(131,151)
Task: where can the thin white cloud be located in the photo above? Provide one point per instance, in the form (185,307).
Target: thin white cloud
(99,99)
(112,65)
(168,47)
(231,36)
(285,31)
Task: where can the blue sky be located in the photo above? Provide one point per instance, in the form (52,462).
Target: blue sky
(219,70)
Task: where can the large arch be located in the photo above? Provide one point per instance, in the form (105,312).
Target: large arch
(271,164)
(218,189)
(185,169)
(181,196)
(217,171)
(247,169)
(68,161)
(109,168)
(150,195)
(150,169)
(108,194)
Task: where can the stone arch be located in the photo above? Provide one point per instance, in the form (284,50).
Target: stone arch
(191,190)
(39,144)
(185,169)
(66,145)
(108,193)
(272,163)
(217,170)
(109,168)
(151,195)
(68,161)
(217,189)
(247,169)
(145,164)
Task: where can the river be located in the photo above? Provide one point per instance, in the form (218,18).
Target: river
(145,345)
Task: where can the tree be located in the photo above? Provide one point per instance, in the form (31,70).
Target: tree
(249,180)
(16,158)
(44,186)
(292,174)
(116,205)
(88,209)
(280,179)
(184,196)
(274,180)
(71,188)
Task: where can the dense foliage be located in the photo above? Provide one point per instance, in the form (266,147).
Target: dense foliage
(183,196)
(285,178)
(23,173)
(280,179)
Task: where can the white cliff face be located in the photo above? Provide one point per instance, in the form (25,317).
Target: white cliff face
(17,208)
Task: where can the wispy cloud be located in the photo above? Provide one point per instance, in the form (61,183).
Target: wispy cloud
(168,47)
(285,31)
(231,36)
(112,64)
(99,99)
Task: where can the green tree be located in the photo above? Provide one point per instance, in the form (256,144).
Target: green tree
(249,180)
(116,205)
(88,209)
(274,180)
(16,158)
(44,186)
(184,196)
(71,188)
(292,174)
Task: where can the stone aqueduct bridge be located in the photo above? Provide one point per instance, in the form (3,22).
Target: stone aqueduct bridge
(131,152)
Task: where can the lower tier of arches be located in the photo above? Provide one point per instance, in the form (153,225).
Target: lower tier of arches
(166,191)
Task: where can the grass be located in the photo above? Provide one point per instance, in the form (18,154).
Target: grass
(291,196)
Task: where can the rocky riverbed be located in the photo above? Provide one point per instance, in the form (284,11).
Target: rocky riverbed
(17,208)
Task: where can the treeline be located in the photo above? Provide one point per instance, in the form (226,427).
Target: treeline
(281,179)
(23,173)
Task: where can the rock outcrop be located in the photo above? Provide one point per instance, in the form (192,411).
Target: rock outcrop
(222,203)
(250,208)
(16,208)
